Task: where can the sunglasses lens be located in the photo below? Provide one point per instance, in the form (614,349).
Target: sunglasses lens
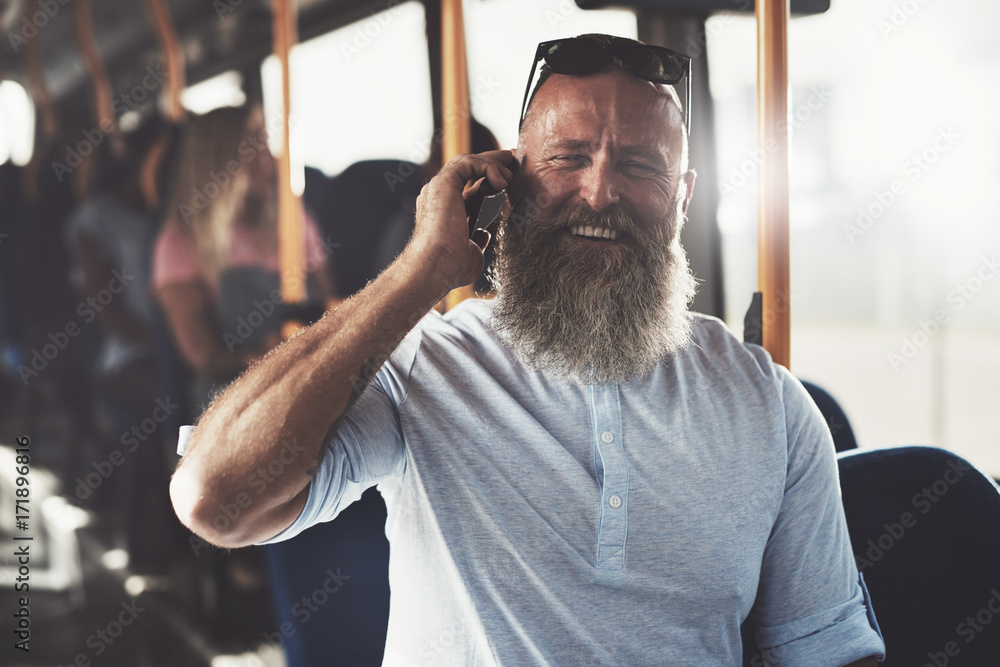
(653,65)
(576,57)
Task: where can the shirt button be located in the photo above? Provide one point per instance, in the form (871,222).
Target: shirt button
(608,436)
(615,501)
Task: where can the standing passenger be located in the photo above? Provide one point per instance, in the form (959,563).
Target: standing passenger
(215,264)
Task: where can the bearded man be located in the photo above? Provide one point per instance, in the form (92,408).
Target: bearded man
(579,472)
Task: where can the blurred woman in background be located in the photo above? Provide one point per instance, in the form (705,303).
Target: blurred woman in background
(215,262)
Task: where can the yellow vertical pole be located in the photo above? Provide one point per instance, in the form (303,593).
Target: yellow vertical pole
(170,96)
(454,102)
(173,59)
(36,81)
(291,233)
(92,60)
(772,185)
(103,113)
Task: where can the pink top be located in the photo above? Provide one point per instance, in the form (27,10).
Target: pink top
(175,259)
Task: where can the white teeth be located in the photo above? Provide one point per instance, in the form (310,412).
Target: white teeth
(594,232)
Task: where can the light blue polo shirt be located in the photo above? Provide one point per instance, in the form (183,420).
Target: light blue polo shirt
(532,521)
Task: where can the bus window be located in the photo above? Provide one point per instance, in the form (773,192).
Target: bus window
(894,306)
(360,92)
(223,90)
(496,84)
(17,123)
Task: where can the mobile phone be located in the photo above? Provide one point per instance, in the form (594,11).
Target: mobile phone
(483,209)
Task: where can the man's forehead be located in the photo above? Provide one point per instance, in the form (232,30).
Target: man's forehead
(612,98)
(571,144)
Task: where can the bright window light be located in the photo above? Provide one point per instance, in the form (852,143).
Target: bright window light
(17,123)
(361,92)
(514,28)
(224,90)
(894,286)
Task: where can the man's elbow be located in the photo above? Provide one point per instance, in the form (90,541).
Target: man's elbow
(231,520)
(204,515)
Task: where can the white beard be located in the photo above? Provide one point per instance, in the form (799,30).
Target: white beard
(591,314)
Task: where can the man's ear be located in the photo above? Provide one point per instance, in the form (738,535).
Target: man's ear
(688,183)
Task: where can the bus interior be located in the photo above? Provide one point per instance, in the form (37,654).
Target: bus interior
(893,313)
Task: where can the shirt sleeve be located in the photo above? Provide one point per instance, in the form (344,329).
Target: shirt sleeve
(812,607)
(367,448)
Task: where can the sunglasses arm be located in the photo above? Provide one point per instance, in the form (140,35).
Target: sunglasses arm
(687,79)
(527,89)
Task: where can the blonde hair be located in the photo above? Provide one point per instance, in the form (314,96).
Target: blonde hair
(212,181)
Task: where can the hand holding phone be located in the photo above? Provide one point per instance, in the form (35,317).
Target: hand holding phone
(487,203)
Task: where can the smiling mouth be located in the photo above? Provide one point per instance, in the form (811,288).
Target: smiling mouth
(594,233)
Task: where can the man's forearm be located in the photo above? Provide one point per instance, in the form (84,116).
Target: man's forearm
(291,401)
(286,407)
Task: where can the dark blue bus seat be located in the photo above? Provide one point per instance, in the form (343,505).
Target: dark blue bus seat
(925,528)
(836,418)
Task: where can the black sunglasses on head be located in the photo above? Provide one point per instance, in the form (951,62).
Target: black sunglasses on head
(578,56)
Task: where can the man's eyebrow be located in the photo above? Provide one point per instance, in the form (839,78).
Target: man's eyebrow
(638,150)
(643,151)
(572,145)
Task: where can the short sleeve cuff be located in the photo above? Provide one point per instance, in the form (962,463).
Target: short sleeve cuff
(846,633)
(310,513)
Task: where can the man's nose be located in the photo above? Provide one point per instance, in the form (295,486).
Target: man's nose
(599,188)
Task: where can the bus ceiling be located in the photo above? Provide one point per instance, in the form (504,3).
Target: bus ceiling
(216,37)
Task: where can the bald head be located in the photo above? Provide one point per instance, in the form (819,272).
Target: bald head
(608,89)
